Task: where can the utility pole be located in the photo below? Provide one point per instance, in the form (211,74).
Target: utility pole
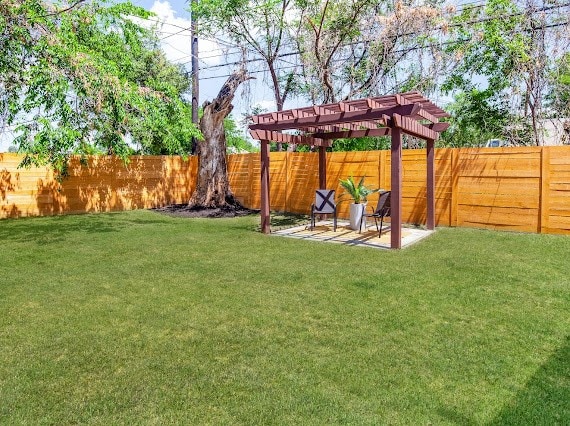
(195,76)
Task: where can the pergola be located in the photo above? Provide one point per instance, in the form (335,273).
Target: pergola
(318,126)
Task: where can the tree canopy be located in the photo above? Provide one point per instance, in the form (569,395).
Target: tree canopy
(82,77)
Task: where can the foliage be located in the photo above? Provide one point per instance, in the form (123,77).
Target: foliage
(236,141)
(476,117)
(503,52)
(83,76)
(359,48)
(355,144)
(358,192)
(262,29)
(559,96)
(362,144)
(104,322)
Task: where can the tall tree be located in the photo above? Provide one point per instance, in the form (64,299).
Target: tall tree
(264,30)
(558,98)
(212,183)
(559,95)
(506,50)
(78,75)
(358,48)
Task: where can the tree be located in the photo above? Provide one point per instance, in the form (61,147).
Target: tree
(505,52)
(236,140)
(212,184)
(559,95)
(84,75)
(260,28)
(360,48)
(476,117)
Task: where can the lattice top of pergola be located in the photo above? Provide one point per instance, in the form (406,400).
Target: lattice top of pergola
(318,125)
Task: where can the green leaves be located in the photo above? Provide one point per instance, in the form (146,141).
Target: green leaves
(357,191)
(88,78)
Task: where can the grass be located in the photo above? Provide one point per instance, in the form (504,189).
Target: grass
(139,318)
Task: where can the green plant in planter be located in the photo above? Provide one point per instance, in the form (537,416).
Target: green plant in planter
(358,192)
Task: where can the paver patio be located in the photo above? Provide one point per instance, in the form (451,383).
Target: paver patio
(324,232)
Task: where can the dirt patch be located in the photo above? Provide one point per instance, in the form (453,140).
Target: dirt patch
(182,210)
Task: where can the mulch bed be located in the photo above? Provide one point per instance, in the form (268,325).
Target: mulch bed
(182,210)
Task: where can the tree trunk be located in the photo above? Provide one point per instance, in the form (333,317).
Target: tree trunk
(212,184)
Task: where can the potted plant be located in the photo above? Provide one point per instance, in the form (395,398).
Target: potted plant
(358,192)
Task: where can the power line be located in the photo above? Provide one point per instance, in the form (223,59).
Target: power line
(466,6)
(239,48)
(481,20)
(344,59)
(173,34)
(405,34)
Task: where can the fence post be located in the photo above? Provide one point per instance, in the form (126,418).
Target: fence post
(287,179)
(455,156)
(544,206)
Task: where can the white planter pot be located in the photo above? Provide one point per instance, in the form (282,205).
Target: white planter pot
(356,212)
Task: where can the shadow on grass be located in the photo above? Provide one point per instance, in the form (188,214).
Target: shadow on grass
(546,397)
(284,220)
(56,228)
(545,400)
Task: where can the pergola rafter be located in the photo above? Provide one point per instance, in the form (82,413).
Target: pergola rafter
(409,113)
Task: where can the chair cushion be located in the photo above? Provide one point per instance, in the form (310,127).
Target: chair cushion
(324,201)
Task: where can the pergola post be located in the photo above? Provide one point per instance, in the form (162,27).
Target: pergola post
(396,189)
(322,167)
(430,184)
(265,227)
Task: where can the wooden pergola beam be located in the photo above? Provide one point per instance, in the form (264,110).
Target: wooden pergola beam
(396,189)
(413,128)
(422,113)
(322,167)
(347,134)
(285,138)
(430,185)
(265,208)
(439,127)
(338,118)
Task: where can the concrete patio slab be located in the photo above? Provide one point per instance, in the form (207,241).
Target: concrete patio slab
(323,232)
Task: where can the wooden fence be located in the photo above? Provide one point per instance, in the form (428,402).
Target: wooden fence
(103,184)
(522,189)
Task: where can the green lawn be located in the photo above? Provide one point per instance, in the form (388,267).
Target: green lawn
(140,318)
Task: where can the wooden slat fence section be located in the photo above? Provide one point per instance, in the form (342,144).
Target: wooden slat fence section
(302,180)
(522,189)
(278,181)
(499,188)
(240,171)
(103,184)
(414,186)
(557,189)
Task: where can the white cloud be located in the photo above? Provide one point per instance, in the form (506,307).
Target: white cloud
(175,36)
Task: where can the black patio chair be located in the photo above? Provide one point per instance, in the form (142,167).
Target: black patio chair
(382,211)
(324,204)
